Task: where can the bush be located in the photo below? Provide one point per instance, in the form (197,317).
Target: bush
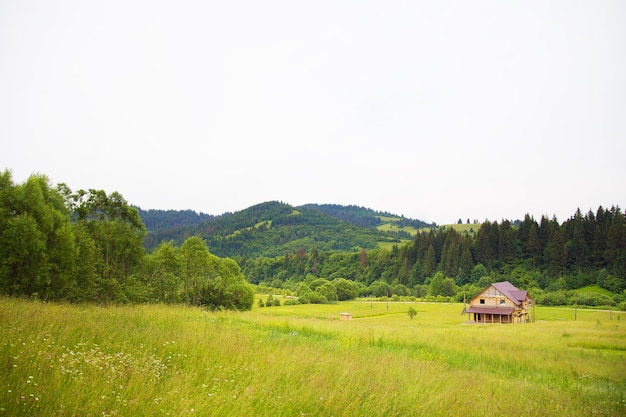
(317,298)
(556,298)
(346,289)
(328,291)
(591,299)
(569,298)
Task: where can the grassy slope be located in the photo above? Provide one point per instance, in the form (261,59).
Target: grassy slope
(594,289)
(300,360)
(461,228)
(390,225)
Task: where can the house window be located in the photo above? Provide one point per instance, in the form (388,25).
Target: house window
(482,301)
(502,302)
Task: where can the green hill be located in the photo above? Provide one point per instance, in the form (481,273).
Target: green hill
(364,217)
(274,228)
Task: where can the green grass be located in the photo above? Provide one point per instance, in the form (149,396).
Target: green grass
(461,228)
(390,227)
(266,223)
(389,245)
(595,290)
(155,360)
(389,219)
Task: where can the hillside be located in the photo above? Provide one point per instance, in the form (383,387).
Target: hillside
(273,229)
(176,225)
(157,220)
(365,217)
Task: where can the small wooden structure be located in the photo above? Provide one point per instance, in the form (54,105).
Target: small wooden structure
(500,302)
(345,316)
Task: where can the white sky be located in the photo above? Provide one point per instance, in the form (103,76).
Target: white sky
(435,110)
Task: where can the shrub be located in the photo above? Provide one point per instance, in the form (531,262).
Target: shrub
(555,298)
(591,299)
(346,289)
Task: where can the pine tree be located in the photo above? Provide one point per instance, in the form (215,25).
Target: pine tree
(430,262)
(554,254)
(533,248)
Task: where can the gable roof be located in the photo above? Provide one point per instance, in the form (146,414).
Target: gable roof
(511,292)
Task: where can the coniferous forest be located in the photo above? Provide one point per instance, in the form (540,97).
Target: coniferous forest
(90,246)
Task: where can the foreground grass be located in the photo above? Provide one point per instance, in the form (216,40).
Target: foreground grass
(301,360)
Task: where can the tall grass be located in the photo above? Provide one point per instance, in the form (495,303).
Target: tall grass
(67,360)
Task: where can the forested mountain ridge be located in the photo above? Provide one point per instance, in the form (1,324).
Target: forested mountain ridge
(365,217)
(275,228)
(157,220)
(174,225)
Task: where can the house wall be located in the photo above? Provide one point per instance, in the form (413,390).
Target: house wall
(492,298)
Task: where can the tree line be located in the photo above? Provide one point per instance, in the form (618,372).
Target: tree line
(87,246)
(544,256)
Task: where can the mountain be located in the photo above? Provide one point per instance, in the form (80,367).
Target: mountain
(364,217)
(273,228)
(156,220)
(166,225)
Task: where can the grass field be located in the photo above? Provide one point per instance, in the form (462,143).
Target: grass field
(391,227)
(63,360)
(594,289)
(469,228)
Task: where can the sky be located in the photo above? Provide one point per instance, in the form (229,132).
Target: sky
(430,109)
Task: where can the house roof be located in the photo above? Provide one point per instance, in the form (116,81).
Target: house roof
(511,292)
(503,311)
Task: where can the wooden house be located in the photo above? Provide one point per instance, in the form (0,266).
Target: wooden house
(500,302)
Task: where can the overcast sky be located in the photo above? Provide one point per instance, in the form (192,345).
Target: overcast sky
(435,110)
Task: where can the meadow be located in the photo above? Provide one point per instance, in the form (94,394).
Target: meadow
(158,360)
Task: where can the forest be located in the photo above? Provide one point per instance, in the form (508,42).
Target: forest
(87,246)
(549,259)
(90,246)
